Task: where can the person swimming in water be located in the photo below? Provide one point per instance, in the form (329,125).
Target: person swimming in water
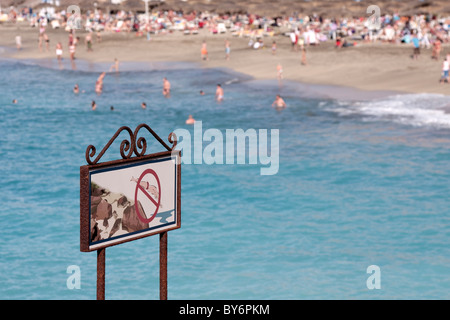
(190,120)
(115,66)
(219,93)
(166,88)
(279,102)
(99,84)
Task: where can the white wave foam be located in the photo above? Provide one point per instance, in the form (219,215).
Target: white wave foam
(232,81)
(418,110)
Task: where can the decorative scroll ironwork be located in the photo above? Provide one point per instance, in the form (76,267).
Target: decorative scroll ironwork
(173,140)
(128,147)
(141,143)
(124,147)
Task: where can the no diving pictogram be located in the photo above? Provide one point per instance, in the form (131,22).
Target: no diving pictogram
(145,188)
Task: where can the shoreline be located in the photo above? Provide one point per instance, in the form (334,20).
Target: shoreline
(377,69)
(292,87)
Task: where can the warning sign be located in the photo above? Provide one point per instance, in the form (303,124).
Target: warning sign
(150,192)
(133,199)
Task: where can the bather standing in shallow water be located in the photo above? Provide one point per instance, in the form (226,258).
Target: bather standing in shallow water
(279,102)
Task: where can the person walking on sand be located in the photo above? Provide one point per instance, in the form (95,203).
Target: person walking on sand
(47,42)
(59,51)
(274,48)
(18,42)
(41,36)
(148,29)
(166,88)
(219,93)
(279,72)
(204,51)
(416,45)
(72,49)
(115,66)
(99,36)
(88,42)
(293,38)
(303,56)
(303,50)
(227,49)
(436,49)
(445,71)
(71,39)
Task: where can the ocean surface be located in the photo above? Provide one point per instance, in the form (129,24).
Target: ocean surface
(361,182)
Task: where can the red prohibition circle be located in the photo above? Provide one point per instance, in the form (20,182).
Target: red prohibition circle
(141,215)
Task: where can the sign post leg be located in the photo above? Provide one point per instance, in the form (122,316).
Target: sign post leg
(101,274)
(163,266)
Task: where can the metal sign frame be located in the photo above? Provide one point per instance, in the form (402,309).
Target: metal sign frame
(136,146)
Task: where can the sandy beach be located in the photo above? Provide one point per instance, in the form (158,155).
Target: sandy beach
(367,66)
(331,183)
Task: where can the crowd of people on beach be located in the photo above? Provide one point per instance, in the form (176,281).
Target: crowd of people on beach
(313,29)
(418,31)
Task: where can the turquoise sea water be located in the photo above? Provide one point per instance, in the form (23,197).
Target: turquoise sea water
(360,183)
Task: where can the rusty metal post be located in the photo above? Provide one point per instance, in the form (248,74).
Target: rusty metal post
(163,266)
(128,147)
(101,274)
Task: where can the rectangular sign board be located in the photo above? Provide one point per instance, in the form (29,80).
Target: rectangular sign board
(124,200)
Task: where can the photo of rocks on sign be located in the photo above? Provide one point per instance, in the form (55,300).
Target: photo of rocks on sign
(130,199)
(113,214)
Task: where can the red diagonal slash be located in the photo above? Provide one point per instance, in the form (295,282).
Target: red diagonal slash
(148,195)
(141,215)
